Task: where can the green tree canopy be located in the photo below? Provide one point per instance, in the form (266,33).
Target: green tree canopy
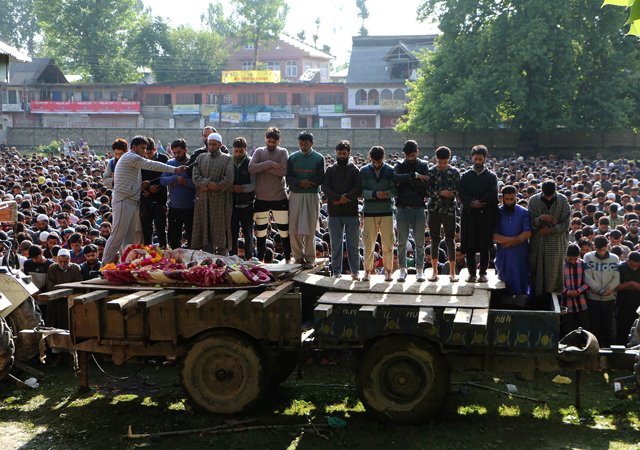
(18,24)
(634,13)
(527,65)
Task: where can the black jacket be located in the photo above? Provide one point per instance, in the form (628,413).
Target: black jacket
(340,180)
(411,190)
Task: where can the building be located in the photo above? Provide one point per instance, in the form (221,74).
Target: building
(378,71)
(9,56)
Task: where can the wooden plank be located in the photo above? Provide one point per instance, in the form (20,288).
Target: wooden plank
(123,303)
(157,297)
(55,295)
(322,311)
(479,318)
(479,299)
(463,316)
(367,311)
(201,299)
(426,316)
(450,313)
(378,285)
(90,297)
(237,297)
(268,297)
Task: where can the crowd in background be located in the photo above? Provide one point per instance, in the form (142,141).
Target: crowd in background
(546,225)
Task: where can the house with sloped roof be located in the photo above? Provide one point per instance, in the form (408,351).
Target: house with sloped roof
(379,69)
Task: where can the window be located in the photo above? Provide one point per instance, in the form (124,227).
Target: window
(400,94)
(85,96)
(324,71)
(186,99)
(246,99)
(113,96)
(273,65)
(249,47)
(247,64)
(228,99)
(374,97)
(68,95)
(307,65)
(329,99)
(153,99)
(278,99)
(386,95)
(13,97)
(97,96)
(292,68)
(213,99)
(401,71)
(300,99)
(361,97)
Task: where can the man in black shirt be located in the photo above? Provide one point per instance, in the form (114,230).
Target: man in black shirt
(628,295)
(91,266)
(37,266)
(153,204)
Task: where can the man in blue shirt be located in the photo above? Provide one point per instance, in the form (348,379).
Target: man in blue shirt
(182,193)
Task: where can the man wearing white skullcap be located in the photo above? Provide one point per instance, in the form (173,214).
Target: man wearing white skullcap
(63,271)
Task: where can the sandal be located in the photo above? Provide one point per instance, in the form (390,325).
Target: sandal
(433,279)
(453,279)
(471,279)
(483,279)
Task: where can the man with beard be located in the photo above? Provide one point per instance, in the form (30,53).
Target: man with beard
(119,147)
(182,194)
(153,202)
(269,165)
(512,255)
(213,179)
(206,131)
(342,186)
(62,271)
(410,176)
(550,215)
(91,266)
(244,193)
(479,196)
(305,174)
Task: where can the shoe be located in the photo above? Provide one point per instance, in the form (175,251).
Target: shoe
(403,275)
(307,266)
(355,277)
(483,278)
(337,276)
(366,276)
(471,279)
(287,260)
(387,276)
(419,276)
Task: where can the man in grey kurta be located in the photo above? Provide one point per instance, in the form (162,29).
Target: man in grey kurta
(550,214)
(213,178)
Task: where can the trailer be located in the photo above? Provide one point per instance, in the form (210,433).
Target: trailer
(409,337)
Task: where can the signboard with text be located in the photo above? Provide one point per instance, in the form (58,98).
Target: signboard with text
(392,104)
(85,107)
(251,76)
(186,109)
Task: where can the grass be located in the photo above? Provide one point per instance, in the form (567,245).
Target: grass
(55,416)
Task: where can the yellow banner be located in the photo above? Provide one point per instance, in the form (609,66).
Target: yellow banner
(251,76)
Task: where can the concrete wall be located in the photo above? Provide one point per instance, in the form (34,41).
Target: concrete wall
(499,142)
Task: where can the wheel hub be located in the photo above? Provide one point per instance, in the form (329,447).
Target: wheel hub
(404,380)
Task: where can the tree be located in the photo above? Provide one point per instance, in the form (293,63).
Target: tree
(215,20)
(363,13)
(634,15)
(18,24)
(190,56)
(302,35)
(260,22)
(91,37)
(523,65)
(315,35)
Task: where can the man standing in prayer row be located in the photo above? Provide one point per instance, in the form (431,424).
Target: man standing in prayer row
(512,255)
(213,178)
(479,196)
(305,174)
(244,194)
(182,195)
(127,185)
(550,215)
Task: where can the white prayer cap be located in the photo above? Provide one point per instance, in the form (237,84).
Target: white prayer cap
(64,252)
(42,217)
(215,137)
(43,236)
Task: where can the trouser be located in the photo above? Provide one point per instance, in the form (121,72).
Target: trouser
(573,321)
(348,226)
(242,217)
(126,227)
(410,218)
(625,316)
(154,215)
(179,219)
(602,320)
(279,209)
(448,222)
(371,227)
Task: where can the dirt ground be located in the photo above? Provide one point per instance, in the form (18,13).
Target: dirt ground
(55,416)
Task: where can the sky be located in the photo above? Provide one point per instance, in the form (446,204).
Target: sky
(338,19)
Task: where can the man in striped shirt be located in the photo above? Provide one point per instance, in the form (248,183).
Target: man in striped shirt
(574,293)
(127,185)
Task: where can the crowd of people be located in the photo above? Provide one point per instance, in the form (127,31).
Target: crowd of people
(545,225)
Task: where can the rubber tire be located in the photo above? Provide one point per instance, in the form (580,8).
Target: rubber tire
(281,366)
(421,368)
(7,349)
(224,373)
(634,334)
(27,316)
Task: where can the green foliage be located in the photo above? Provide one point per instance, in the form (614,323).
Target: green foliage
(259,22)
(92,35)
(634,14)
(215,20)
(50,149)
(18,24)
(523,65)
(363,13)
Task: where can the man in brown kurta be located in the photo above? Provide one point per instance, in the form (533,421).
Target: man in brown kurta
(63,271)
(213,178)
